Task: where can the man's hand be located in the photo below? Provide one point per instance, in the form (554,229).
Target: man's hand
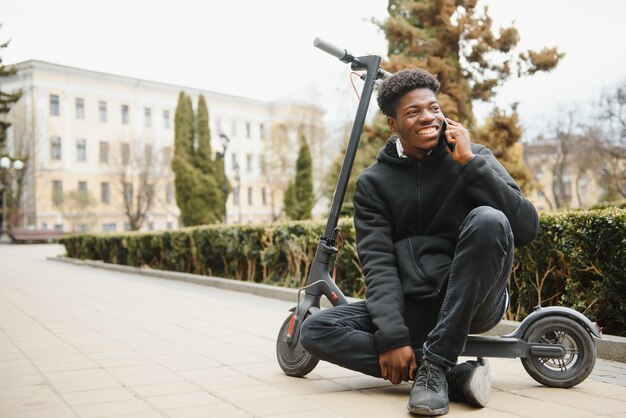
(398,365)
(459,136)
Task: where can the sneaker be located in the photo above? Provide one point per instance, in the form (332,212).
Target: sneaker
(470,382)
(429,395)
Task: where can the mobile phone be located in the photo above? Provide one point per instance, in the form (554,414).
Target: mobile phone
(444,125)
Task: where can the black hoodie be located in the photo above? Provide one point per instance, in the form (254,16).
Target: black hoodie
(407,215)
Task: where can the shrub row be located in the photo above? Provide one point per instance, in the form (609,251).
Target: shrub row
(578,259)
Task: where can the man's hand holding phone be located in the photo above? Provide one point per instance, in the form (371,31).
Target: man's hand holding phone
(459,142)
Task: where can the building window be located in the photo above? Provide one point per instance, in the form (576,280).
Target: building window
(125,115)
(55,108)
(264,196)
(148,153)
(150,226)
(169,226)
(104,152)
(82,191)
(147,117)
(262,164)
(127,226)
(262,131)
(105,192)
(80,108)
(248,133)
(250,193)
(233,129)
(58,227)
(166,119)
(57,192)
(102,111)
(55,148)
(81,150)
(236,196)
(169,193)
(218,126)
(109,227)
(249,163)
(128,194)
(125,153)
(82,228)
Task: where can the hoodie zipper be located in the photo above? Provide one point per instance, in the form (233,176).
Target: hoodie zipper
(419,197)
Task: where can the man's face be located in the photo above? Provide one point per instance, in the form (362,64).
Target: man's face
(418,122)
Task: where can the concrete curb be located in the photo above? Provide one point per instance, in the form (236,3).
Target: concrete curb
(610,347)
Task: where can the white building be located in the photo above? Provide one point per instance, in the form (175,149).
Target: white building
(80,130)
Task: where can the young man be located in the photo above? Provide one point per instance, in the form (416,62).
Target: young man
(436,228)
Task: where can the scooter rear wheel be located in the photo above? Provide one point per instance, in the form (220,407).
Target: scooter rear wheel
(580,352)
(294,360)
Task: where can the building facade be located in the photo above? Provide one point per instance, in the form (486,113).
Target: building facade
(94,141)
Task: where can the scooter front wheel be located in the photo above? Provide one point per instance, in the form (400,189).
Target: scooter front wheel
(293,359)
(580,352)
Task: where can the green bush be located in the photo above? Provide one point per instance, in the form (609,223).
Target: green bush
(577,260)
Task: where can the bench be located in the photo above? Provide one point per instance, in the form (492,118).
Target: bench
(24,236)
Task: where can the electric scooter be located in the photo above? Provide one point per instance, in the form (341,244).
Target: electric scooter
(555,344)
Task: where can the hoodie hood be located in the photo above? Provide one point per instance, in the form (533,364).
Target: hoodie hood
(389,153)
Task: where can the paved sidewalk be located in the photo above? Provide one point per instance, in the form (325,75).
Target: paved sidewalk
(78,341)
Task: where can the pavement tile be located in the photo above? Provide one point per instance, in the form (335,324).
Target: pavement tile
(277,406)
(222,410)
(111,409)
(148,379)
(85,374)
(235,395)
(98,396)
(581,400)
(601,389)
(219,382)
(210,373)
(161,389)
(25,392)
(529,407)
(144,369)
(31,403)
(335,400)
(60,412)
(183,400)
(87,384)
(308,386)
(311,414)
(19,371)
(19,381)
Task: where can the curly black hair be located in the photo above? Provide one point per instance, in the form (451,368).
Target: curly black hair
(396,86)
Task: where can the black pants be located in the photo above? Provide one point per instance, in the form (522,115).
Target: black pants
(474,302)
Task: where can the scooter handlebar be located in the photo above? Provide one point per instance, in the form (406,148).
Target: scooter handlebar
(329,48)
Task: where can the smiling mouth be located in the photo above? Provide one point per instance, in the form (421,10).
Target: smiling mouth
(427,131)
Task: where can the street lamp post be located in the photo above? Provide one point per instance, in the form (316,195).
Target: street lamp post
(7,168)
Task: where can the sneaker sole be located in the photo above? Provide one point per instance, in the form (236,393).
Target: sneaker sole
(427,411)
(477,390)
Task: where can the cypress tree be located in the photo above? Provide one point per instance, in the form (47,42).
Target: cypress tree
(299,194)
(181,164)
(206,163)
(198,185)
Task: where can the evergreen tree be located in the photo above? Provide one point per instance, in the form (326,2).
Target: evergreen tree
(455,41)
(209,166)
(198,193)
(299,194)
(7,99)
(183,147)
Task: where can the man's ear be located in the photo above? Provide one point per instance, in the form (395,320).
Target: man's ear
(392,123)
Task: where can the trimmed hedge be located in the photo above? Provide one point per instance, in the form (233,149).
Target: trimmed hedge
(578,259)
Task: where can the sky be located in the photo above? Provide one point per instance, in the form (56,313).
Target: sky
(264,49)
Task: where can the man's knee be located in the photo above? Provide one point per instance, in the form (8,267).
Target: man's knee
(310,331)
(487,225)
